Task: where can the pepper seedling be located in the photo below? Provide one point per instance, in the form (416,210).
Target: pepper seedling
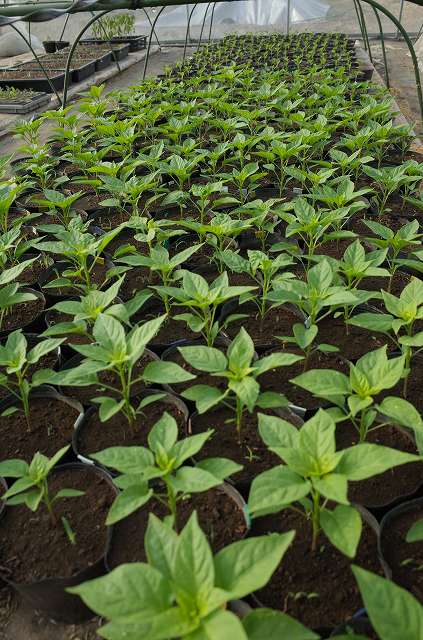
(314,473)
(146,472)
(31,487)
(240,369)
(194,588)
(355,396)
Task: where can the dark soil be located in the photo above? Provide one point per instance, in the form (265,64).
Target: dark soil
(335,249)
(404,558)
(398,283)
(325,572)
(277,322)
(170,331)
(385,488)
(51,428)
(32,274)
(42,550)
(54,317)
(279,379)
(96,436)
(137,279)
(22,314)
(220,517)
(252,453)
(97,277)
(353,344)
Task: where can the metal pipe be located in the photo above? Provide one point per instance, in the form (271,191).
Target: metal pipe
(385,61)
(410,46)
(211,20)
(203,24)
(151,25)
(147,54)
(187,33)
(28,43)
(72,50)
(363,19)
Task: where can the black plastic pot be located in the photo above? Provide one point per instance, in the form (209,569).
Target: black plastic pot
(388,519)
(325,630)
(103,61)
(35,324)
(49,595)
(46,391)
(57,268)
(51,46)
(135,43)
(83,421)
(226,488)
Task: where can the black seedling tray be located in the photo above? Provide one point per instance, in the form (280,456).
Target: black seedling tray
(36,84)
(24,107)
(136,43)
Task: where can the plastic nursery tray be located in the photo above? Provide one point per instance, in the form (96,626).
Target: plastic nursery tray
(119,50)
(40,84)
(24,107)
(77,73)
(136,43)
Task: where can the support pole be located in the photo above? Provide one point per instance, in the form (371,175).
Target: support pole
(147,55)
(187,32)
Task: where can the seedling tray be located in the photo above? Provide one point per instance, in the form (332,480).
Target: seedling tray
(40,84)
(136,43)
(119,51)
(24,107)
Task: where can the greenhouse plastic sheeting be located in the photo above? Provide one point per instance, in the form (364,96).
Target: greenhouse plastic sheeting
(247,12)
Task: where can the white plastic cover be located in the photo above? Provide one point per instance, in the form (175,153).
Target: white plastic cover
(246,12)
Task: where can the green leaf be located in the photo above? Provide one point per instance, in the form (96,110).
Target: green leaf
(247,565)
(221,468)
(404,414)
(128,501)
(164,434)
(247,391)
(343,528)
(220,624)
(13,468)
(129,590)
(194,572)
(333,486)
(275,360)
(266,623)
(160,545)
(394,613)
(166,372)
(194,480)
(129,460)
(240,351)
(205,397)
(274,489)
(367,460)
(323,382)
(188,447)
(415,533)
(276,432)
(108,407)
(204,358)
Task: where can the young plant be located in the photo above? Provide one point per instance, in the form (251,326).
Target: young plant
(16,361)
(115,350)
(387,181)
(241,371)
(183,591)
(10,293)
(355,396)
(159,470)
(31,487)
(203,301)
(399,323)
(314,473)
(59,205)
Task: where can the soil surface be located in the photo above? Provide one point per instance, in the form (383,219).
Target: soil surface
(277,322)
(219,515)
(22,314)
(251,452)
(328,591)
(385,488)
(51,428)
(404,558)
(353,344)
(96,436)
(42,549)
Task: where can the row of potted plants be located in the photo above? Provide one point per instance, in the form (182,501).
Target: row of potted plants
(210,311)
